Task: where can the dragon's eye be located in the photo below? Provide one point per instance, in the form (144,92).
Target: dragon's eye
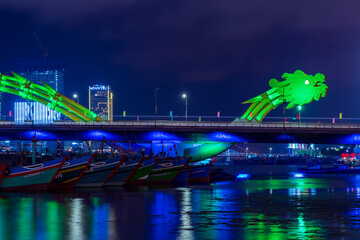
(307,82)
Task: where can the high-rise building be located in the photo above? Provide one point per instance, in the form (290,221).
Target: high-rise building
(101,101)
(52,73)
(39,112)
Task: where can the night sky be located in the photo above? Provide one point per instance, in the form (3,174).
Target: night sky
(220,53)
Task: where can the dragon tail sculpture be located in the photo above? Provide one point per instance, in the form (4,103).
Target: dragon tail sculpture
(20,86)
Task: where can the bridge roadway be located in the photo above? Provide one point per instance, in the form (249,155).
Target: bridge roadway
(236,131)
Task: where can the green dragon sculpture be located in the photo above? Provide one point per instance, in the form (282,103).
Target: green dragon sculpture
(20,86)
(297,89)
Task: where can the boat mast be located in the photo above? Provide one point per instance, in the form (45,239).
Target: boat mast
(34,141)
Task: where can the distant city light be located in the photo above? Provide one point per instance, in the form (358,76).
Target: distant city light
(99,87)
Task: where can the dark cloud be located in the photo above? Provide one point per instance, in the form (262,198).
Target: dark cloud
(234,47)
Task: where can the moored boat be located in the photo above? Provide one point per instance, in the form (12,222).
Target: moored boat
(32,177)
(167,169)
(99,172)
(142,172)
(345,165)
(71,172)
(2,171)
(122,173)
(344,169)
(218,174)
(183,176)
(200,173)
(194,173)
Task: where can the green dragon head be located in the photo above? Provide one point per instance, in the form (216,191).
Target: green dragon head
(300,88)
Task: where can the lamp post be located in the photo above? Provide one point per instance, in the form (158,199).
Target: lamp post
(284,108)
(186,105)
(156,89)
(270,149)
(76,97)
(299,108)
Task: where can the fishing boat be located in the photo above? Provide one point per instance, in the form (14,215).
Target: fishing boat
(32,177)
(71,172)
(100,171)
(134,170)
(347,164)
(123,172)
(141,174)
(167,169)
(183,176)
(2,171)
(314,169)
(194,173)
(218,174)
(200,173)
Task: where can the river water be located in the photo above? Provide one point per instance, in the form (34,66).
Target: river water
(320,207)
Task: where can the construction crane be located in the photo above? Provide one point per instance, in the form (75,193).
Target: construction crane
(45,51)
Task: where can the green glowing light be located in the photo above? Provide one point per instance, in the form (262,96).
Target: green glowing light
(297,89)
(206,150)
(46,95)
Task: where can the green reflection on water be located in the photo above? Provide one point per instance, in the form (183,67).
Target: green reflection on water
(54,220)
(300,183)
(25,219)
(4,222)
(257,217)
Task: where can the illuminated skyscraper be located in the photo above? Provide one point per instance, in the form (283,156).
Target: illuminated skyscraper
(49,71)
(39,112)
(101,101)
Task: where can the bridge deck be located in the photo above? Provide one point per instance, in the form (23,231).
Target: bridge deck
(307,132)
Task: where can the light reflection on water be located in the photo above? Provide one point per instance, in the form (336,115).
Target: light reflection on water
(75,224)
(285,208)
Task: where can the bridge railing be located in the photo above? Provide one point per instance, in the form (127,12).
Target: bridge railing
(142,118)
(194,124)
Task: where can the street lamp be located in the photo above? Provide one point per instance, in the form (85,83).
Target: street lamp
(284,119)
(156,89)
(299,108)
(186,107)
(76,97)
(270,150)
